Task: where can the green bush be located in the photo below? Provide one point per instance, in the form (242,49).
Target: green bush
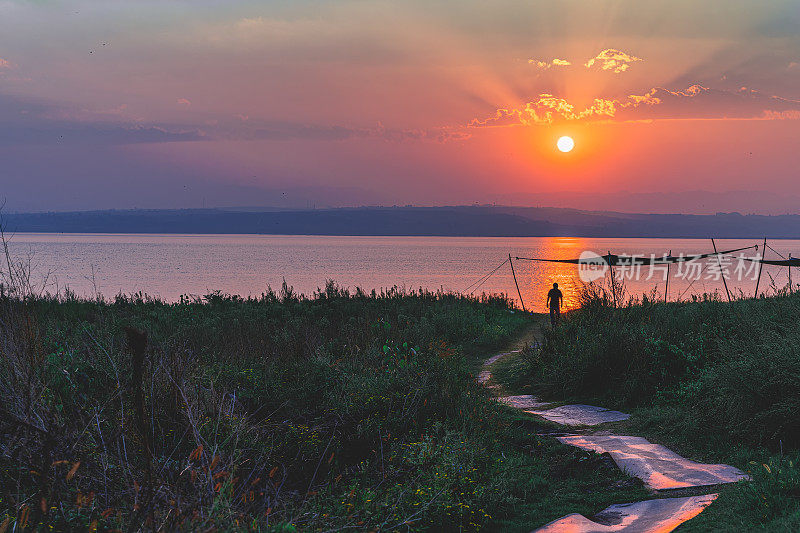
(714,380)
(277,412)
(735,367)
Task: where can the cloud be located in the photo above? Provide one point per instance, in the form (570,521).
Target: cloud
(34,122)
(547,109)
(791,114)
(183,101)
(546,65)
(613,60)
(290,131)
(694,102)
(93,134)
(28,121)
(441,134)
(648,98)
(699,102)
(501,118)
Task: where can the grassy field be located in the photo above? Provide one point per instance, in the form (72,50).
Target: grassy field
(334,412)
(716,381)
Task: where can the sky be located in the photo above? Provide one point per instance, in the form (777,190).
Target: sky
(674,106)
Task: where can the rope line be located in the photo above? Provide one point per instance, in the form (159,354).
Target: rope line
(472,288)
(483,279)
(776,251)
(642,258)
(692,283)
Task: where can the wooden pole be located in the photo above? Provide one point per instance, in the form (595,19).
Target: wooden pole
(515,283)
(719,262)
(761,266)
(613,283)
(666,289)
(790,273)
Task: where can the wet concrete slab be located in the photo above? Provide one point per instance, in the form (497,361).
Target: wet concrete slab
(650,516)
(659,467)
(580,415)
(524,401)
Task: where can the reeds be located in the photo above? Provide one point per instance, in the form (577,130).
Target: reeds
(238,413)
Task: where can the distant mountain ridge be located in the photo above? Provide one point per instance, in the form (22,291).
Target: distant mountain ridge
(463,221)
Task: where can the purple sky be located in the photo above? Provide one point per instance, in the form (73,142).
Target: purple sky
(673,105)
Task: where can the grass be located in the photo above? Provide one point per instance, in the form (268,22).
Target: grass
(339,411)
(716,381)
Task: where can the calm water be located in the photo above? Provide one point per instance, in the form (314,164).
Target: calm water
(168,266)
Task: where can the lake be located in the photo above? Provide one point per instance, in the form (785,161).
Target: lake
(168,266)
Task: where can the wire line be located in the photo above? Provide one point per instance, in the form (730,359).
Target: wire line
(776,251)
(692,283)
(483,279)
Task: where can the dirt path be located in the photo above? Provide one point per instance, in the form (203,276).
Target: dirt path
(661,469)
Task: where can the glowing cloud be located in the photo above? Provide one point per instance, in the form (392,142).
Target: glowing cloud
(613,60)
(698,102)
(554,63)
(694,102)
(547,109)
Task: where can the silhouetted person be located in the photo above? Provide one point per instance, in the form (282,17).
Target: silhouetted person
(554,300)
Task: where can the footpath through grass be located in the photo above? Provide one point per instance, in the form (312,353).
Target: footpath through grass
(336,412)
(713,380)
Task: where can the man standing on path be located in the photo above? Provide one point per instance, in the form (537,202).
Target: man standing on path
(554,300)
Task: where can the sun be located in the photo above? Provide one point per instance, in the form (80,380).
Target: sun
(565,144)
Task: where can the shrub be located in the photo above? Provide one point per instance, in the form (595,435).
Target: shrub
(734,367)
(278,412)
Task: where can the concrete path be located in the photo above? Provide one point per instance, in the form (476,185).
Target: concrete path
(567,415)
(640,517)
(660,468)
(524,402)
(580,415)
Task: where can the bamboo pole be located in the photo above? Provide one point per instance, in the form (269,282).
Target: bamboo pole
(719,262)
(761,266)
(790,273)
(515,283)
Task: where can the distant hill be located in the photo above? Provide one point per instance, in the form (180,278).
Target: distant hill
(479,221)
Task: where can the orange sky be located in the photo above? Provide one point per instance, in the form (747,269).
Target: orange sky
(179,104)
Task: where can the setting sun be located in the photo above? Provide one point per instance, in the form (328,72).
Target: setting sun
(565,144)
